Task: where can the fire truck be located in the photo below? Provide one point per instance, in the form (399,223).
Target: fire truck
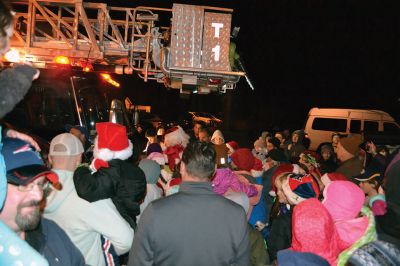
(185,47)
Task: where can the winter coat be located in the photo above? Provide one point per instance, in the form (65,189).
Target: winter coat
(280,234)
(195,226)
(226,179)
(85,222)
(259,254)
(258,207)
(388,225)
(123,182)
(350,168)
(53,243)
(367,237)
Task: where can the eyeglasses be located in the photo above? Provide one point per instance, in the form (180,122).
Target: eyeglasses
(42,185)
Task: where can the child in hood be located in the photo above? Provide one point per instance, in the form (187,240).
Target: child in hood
(110,175)
(218,142)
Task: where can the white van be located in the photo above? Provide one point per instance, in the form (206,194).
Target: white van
(322,122)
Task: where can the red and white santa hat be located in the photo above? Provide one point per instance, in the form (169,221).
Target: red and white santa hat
(232,146)
(112,142)
(176,136)
(330,177)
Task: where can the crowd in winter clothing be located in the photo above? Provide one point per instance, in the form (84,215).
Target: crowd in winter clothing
(191,198)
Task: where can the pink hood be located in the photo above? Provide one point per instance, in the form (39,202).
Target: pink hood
(344,200)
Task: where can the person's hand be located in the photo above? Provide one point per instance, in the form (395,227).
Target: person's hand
(11,133)
(260,226)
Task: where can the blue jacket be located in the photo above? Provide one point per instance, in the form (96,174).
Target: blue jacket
(53,243)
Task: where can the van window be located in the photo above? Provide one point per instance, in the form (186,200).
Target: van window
(355,126)
(371,126)
(391,128)
(330,124)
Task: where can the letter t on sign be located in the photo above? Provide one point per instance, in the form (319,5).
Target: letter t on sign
(217,26)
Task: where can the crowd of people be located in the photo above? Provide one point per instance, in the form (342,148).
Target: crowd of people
(191,198)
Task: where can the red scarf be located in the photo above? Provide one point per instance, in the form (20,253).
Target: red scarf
(172,154)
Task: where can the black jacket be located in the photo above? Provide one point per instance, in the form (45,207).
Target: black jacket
(123,182)
(281,234)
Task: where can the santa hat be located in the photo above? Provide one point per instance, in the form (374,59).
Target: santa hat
(283,168)
(232,146)
(245,160)
(299,187)
(112,142)
(330,177)
(176,136)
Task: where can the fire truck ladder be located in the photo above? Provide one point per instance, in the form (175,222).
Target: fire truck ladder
(127,38)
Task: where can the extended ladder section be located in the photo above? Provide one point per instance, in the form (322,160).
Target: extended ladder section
(191,52)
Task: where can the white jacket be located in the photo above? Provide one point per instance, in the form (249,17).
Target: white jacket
(84,222)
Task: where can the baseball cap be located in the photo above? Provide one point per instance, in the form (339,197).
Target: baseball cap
(23,163)
(65,144)
(370,173)
(82,129)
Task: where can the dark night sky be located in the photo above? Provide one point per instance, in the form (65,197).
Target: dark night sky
(300,54)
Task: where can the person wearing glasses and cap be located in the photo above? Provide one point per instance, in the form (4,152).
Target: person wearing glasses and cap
(27,179)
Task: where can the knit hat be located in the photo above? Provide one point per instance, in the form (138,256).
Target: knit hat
(65,144)
(298,187)
(330,177)
(153,147)
(284,168)
(351,143)
(112,142)
(24,164)
(232,146)
(217,133)
(151,170)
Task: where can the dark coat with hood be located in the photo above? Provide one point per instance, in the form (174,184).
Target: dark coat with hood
(295,149)
(122,181)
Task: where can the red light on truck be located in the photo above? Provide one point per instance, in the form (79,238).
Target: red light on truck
(62,60)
